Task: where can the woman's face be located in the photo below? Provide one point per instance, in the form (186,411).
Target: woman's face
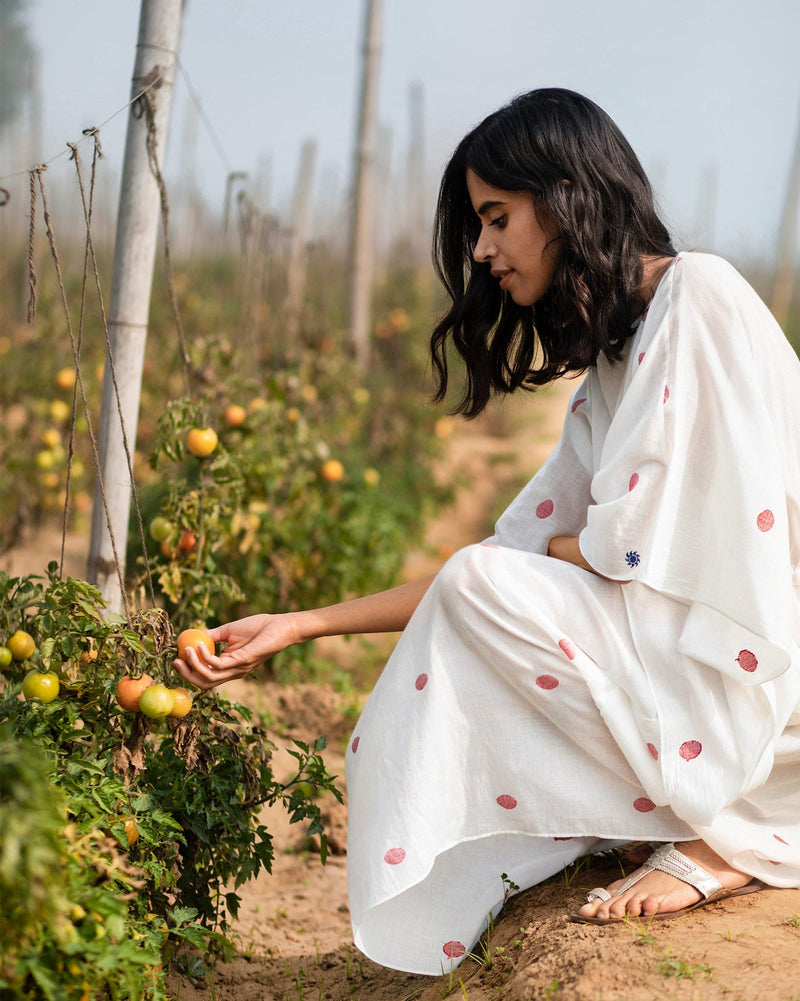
(520,250)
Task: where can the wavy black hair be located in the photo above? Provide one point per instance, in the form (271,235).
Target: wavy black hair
(606,220)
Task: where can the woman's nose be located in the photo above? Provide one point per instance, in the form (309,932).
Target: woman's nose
(484,248)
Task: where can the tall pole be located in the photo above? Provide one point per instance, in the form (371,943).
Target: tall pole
(363,209)
(784,270)
(296,272)
(417,206)
(129,306)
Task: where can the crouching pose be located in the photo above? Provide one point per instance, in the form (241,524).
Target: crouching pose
(619,662)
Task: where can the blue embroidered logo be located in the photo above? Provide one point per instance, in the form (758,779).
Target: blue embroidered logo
(633,559)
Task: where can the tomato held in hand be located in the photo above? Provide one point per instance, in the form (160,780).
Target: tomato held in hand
(192,637)
(41,686)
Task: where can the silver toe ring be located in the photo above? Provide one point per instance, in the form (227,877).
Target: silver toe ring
(598,893)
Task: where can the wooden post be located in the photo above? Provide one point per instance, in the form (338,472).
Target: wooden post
(296,272)
(784,269)
(363,191)
(129,306)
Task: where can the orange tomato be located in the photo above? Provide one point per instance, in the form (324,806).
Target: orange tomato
(235,415)
(129,691)
(191,637)
(332,471)
(201,442)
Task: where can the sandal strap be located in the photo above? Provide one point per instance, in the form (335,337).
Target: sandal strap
(668,859)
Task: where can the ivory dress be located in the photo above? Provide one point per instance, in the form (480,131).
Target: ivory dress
(533,711)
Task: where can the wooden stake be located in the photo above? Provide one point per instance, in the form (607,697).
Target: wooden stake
(137,233)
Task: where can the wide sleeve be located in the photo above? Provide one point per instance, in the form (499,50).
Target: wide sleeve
(689,496)
(555,501)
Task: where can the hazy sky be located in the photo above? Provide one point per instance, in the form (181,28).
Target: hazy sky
(707,91)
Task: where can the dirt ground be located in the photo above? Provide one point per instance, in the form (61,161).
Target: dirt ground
(294,930)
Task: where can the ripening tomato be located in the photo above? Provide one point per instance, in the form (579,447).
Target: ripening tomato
(156,701)
(182,703)
(5,656)
(235,415)
(191,637)
(332,470)
(40,686)
(201,442)
(130,689)
(21,645)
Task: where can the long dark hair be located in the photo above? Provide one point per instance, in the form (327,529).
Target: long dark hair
(607,222)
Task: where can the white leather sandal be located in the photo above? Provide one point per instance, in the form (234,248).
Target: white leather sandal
(668,859)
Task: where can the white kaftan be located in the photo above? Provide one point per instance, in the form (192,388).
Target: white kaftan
(533,711)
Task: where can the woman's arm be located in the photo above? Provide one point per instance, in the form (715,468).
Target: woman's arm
(565,547)
(256,638)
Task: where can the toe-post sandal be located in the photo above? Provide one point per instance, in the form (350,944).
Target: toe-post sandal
(668,859)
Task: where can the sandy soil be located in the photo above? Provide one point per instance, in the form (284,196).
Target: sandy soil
(294,930)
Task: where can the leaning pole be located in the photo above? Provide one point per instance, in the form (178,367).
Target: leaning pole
(129,305)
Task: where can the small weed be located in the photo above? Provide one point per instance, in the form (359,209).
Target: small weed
(551,990)
(793,921)
(580,863)
(640,930)
(681,969)
(509,887)
(734,937)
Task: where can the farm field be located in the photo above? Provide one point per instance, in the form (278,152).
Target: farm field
(293,937)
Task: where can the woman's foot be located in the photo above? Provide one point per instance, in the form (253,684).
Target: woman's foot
(660,892)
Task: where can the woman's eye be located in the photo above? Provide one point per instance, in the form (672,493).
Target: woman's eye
(500,221)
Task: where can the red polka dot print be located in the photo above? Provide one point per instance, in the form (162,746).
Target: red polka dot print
(765,520)
(489,545)
(641,357)
(666,393)
(633,481)
(577,403)
(653,751)
(545,509)
(568,647)
(547,682)
(354,745)
(643,804)
(454,950)
(507,802)
(778,838)
(421,682)
(690,749)
(394,856)
(747,661)
(563,839)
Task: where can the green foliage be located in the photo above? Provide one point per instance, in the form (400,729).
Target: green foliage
(121,837)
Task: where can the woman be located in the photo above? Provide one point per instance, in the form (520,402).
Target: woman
(619,662)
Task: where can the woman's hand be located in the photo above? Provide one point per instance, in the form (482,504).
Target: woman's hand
(250,641)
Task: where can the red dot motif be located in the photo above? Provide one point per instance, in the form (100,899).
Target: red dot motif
(394,856)
(690,749)
(653,751)
(545,509)
(643,804)
(454,950)
(547,682)
(747,661)
(568,648)
(577,403)
(666,393)
(633,481)
(765,520)
(778,838)
(421,682)
(641,357)
(355,744)
(507,802)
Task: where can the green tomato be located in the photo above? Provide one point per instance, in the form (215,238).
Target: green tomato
(5,656)
(160,528)
(156,701)
(40,686)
